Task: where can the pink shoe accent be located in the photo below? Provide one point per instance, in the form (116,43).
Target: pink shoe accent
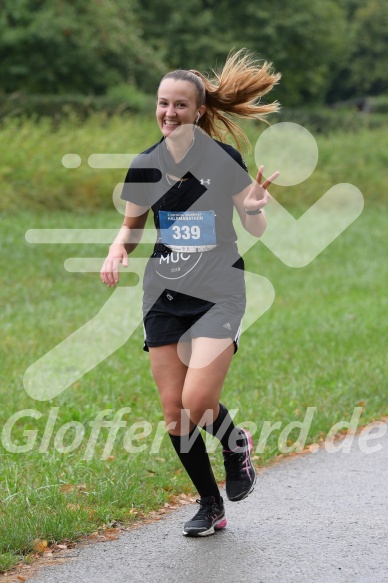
(250,443)
(221,524)
(247,461)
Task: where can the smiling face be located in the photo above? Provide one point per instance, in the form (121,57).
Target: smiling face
(176,105)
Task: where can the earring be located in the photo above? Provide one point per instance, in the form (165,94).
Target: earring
(197,119)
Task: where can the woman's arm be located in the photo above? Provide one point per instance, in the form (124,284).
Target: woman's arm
(252,199)
(125,242)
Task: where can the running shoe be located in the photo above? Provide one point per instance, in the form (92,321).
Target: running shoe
(240,473)
(209,518)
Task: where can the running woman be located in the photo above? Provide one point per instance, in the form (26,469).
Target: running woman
(194,289)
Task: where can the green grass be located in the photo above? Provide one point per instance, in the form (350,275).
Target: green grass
(322,343)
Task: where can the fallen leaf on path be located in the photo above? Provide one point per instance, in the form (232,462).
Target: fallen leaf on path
(110,531)
(111,536)
(48,552)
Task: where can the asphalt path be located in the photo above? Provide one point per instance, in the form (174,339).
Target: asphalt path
(316,518)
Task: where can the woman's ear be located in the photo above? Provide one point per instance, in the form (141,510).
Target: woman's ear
(201,110)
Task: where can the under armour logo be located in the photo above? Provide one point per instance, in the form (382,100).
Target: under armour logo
(203,181)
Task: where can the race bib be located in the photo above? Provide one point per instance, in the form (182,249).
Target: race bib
(188,229)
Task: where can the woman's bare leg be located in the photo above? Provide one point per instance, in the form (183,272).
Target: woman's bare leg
(203,384)
(169,373)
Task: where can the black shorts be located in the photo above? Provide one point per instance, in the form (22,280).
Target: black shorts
(177,316)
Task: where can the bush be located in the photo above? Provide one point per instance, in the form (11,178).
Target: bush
(326,120)
(123,98)
(130,96)
(378,104)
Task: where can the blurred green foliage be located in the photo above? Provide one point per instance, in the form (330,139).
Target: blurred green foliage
(73,46)
(326,51)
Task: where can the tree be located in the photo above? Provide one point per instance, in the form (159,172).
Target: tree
(368,59)
(58,46)
(326,50)
(187,36)
(305,40)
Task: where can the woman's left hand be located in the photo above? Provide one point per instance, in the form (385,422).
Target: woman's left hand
(258,195)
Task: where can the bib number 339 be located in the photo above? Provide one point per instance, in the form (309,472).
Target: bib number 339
(190,227)
(186,232)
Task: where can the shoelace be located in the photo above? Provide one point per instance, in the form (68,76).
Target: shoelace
(246,463)
(206,510)
(235,462)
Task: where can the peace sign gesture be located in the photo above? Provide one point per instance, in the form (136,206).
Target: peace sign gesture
(258,195)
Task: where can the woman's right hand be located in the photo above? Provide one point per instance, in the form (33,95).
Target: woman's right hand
(110,270)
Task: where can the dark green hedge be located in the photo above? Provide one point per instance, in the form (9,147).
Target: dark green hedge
(325,120)
(61,105)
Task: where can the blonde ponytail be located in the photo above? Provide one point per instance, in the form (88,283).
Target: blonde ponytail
(236,91)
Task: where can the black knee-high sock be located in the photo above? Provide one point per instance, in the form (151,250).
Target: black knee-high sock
(224,429)
(192,452)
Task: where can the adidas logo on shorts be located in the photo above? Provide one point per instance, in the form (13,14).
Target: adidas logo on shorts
(227,326)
